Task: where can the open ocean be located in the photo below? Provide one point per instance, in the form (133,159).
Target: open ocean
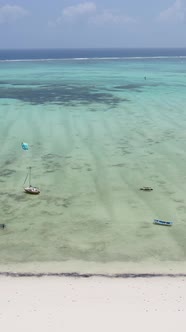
(100,124)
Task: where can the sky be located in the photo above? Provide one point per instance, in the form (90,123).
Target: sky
(92,23)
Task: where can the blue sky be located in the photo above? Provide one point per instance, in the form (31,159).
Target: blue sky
(97,23)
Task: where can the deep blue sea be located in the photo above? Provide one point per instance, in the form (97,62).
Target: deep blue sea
(27,54)
(100,124)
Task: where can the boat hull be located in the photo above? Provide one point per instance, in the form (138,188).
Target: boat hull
(32,190)
(162,222)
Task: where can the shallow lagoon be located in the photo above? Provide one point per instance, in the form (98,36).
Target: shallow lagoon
(97,131)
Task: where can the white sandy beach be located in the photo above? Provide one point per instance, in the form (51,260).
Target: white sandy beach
(92,304)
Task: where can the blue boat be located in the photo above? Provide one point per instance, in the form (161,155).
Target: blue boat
(162,222)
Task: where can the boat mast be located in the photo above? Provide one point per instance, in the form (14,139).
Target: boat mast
(30,176)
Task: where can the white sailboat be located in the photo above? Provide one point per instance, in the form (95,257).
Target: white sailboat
(30,189)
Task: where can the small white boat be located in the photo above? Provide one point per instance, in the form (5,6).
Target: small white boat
(30,189)
(162,222)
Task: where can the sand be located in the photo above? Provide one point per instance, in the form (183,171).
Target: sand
(92,304)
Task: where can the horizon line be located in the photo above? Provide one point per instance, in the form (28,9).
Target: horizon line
(89,48)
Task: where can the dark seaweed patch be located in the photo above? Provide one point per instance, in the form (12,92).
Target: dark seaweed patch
(57,201)
(16,197)
(50,156)
(8,162)
(132,87)
(7,172)
(59,94)
(7,197)
(66,202)
(51,162)
(137,87)
(118,165)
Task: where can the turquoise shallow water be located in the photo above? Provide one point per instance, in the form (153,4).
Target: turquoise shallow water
(98,130)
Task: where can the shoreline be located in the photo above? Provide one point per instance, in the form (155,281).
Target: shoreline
(91,275)
(94,269)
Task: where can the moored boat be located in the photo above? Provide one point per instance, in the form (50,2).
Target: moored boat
(30,189)
(162,222)
(146,188)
